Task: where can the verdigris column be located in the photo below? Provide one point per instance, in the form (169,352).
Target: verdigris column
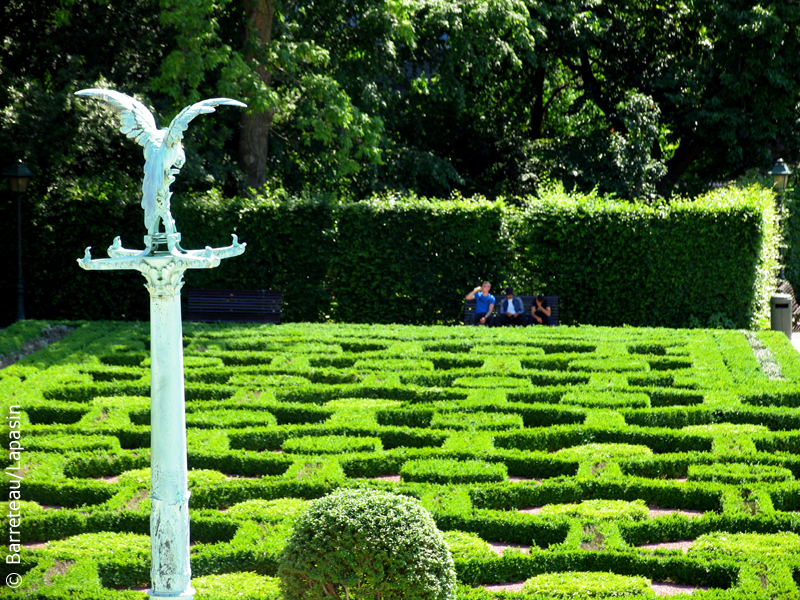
(163,263)
(170,571)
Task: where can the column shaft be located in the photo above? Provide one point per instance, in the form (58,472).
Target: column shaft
(169,518)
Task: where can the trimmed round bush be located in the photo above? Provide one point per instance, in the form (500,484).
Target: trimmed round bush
(587,585)
(366,544)
(437,470)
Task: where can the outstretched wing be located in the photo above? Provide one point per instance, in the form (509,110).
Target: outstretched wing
(136,122)
(181,122)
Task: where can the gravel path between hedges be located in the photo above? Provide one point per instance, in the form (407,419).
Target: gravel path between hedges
(49,335)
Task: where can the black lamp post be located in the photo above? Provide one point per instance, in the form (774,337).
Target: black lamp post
(18,176)
(780,181)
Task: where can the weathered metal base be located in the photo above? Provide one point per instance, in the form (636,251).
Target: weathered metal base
(187,593)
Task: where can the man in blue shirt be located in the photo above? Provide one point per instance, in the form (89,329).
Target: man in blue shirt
(484,304)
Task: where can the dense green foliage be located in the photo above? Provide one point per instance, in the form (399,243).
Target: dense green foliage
(711,262)
(369,544)
(588,585)
(479,96)
(289,243)
(574,487)
(407,261)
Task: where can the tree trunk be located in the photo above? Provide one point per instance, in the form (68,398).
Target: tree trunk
(538,108)
(254,140)
(688,150)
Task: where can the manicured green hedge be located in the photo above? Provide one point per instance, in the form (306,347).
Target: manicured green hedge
(289,245)
(412,260)
(596,463)
(707,262)
(452,471)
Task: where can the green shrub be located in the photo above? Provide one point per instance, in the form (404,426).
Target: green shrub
(492,421)
(366,544)
(604,451)
(737,473)
(331,444)
(492,382)
(230,418)
(588,585)
(453,471)
(590,399)
(662,260)
(763,546)
(401,260)
(599,510)
(465,546)
(242,586)
(617,364)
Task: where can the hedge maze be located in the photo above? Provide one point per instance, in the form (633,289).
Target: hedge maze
(587,462)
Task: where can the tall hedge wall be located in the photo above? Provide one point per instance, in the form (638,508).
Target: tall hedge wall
(707,262)
(56,228)
(289,245)
(412,261)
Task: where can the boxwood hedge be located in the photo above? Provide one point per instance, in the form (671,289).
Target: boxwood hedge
(532,467)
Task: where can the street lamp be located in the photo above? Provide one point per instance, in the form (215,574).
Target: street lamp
(780,176)
(18,176)
(780,181)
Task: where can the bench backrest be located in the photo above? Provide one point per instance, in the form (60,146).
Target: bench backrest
(241,306)
(527,302)
(786,288)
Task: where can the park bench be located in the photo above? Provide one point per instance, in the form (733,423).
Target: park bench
(786,288)
(527,302)
(241,306)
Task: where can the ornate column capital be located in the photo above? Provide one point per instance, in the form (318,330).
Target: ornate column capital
(164,276)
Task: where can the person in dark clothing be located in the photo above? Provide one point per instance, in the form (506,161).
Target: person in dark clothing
(511,310)
(540,311)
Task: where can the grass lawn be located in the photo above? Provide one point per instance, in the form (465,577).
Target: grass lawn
(589,462)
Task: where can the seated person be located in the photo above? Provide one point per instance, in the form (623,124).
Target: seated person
(484,304)
(511,310)
(540,311)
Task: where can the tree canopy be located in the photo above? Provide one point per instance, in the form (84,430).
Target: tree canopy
(431,96)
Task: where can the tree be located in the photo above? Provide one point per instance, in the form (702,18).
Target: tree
(301,125)
(723,75)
